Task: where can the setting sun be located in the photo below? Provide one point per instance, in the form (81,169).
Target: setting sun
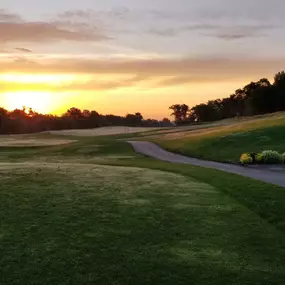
(38,101)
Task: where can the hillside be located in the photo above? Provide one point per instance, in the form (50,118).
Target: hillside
(226,140)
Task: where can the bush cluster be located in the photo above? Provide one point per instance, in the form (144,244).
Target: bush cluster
(265,157)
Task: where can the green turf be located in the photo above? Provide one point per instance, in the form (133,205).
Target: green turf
(227,143)
(139,221)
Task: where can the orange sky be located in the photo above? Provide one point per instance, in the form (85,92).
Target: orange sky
(139,56)
(121,87)
(56,93)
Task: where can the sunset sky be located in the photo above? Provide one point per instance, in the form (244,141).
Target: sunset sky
(124,56)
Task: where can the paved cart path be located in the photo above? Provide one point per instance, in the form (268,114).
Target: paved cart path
(270,175)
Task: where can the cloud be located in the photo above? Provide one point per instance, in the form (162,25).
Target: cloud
(75,86)
(6,16)
(159,67)
(167,32)
(101,85)
(235,36)
(15,29)
(195,78)
(24,61)
(91,25)
(225,32)
(117,12)
(146,73)
(175,31)
(243,31)
(255,10)
(23,50)
(175,80)
(41,31)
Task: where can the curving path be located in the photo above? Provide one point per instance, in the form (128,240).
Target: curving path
(262,174)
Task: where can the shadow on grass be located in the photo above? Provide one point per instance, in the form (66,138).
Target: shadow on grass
(55,230)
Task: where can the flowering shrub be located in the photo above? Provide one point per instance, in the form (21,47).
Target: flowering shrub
(272,157)
(246,158)
(259,158)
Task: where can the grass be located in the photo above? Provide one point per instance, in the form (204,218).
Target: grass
(227,143)
(104,131)
(68,219)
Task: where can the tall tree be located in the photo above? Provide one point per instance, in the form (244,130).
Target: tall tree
(255,98)
(180,112)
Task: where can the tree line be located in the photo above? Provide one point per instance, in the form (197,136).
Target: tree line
(27,120)
(256,98)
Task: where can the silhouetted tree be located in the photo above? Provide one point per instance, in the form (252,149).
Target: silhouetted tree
(166,121)
(28,121)
(180,112)
(74,113)
(255,98)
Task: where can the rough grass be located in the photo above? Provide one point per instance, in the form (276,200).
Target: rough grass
(227,143)
(66,220)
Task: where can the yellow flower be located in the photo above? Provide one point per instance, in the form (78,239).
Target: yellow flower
(246,159)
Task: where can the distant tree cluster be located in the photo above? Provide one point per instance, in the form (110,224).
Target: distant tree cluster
(256,98)
(29,121)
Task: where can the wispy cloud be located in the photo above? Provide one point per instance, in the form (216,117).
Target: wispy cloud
(210,21)
(84,15)
(243,31)
(6,16)
(226,32)
(23,50)
(15,29)
(76,85)
(176,30)
(91,25)
(145,73)
(41,31)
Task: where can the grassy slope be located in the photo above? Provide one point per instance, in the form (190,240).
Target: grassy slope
(80,223)
(227,143)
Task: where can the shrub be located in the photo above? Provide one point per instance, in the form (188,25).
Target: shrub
(252,154)
(246,158)
(283,157)
(259,158)
(272,157)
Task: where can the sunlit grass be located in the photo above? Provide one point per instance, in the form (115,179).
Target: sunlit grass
(228,142)
(66,218)
(101,224)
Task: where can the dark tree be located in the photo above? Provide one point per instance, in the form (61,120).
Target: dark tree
(180,112)
(255,98)
(29,121)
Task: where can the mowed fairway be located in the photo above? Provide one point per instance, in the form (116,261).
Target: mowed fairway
(104,131)
(68,219)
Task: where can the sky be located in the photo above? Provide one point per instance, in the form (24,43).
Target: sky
(126,56)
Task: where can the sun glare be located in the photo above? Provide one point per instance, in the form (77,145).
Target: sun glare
(38,101)
(36,78)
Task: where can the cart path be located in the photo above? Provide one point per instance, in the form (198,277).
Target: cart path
(262,174)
